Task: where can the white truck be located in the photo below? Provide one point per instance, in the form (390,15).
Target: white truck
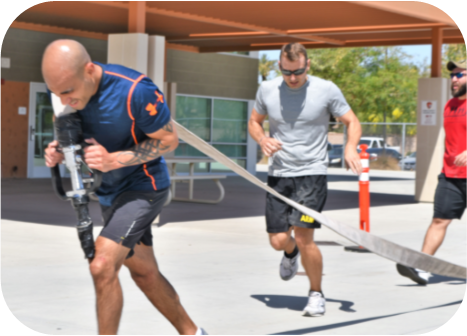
(375,142)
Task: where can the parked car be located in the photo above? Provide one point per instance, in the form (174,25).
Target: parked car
(335,156)
(409,162)
(375,153)
(375,142)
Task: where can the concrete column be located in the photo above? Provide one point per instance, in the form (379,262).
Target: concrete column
(251,145)
(156,60)
(130,50)
(170,94)
(433,93)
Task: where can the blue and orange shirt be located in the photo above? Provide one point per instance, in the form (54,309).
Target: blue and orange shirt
(126,107)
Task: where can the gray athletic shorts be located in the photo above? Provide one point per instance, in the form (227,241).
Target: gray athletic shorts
(128,220)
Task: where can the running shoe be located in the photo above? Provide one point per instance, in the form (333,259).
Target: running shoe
(201,331)
(419,276)
(289,267)
(316,305)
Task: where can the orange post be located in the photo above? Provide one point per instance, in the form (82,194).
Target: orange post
(364,186)
(364,198)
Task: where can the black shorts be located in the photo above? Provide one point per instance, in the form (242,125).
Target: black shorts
(128,220)
(310,191)
(449,198)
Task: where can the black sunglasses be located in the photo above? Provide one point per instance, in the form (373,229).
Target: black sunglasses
(458,75)
(294,72)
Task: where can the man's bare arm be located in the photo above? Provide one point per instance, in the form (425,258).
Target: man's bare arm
(354,132)
(255,127)
(161,142)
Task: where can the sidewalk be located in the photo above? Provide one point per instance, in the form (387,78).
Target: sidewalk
(219,261)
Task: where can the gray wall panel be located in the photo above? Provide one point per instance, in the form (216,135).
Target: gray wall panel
(215,75)
(25,48)
(209,74)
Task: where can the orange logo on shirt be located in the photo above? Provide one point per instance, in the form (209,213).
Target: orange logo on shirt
(151,108)
(160,98)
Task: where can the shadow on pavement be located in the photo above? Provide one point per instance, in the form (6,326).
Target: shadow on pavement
(297,302)
(33,200)
(348,323)
(435,279)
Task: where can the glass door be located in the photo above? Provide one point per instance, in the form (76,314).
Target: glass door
(41,131)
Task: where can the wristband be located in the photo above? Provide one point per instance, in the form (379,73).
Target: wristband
(259,142)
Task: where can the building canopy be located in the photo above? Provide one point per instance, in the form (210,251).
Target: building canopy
(221,26)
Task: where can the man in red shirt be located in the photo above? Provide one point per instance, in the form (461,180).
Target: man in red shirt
(450,199)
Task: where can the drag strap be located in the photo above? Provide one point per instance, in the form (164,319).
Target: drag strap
(375,244)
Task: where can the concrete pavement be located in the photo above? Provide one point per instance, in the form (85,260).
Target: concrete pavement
(219,261)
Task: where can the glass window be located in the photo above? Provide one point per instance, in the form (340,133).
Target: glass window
(220,122)
(232,150)
(184,149)
(335,151)
(230,121)
(364,142)
(44,133)
(195,114)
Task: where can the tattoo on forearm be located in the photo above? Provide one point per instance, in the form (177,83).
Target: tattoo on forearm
(146,151)
(168,127)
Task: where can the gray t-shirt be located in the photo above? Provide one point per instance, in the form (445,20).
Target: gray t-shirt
(299,119)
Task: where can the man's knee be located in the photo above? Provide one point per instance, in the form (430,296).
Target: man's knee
(440,222)
(102,269)
(304,237)
(142,276)
(279,241)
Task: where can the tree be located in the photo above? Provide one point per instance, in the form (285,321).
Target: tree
(452,52)
(378,83)
(265,67)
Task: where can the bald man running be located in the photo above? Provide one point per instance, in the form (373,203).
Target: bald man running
(127,123)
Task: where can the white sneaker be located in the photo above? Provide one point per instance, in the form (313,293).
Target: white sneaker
(419,276)
(201,331)
(316,305)
(289,267)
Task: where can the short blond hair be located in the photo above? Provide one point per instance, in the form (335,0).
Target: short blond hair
(292,51)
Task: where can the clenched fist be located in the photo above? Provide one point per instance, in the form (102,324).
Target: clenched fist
(97,157)
(269,145)
(52,156)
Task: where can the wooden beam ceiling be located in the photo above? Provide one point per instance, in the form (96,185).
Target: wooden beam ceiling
(413,9)
(413,23)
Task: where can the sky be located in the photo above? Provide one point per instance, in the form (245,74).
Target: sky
(420,54)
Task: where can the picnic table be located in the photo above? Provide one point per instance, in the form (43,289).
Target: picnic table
(190,178)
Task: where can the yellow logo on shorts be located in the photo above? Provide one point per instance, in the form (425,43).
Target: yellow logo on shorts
(307,219)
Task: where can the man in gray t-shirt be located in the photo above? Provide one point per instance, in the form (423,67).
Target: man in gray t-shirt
(299,107)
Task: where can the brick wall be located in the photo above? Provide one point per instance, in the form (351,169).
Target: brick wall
(14,129)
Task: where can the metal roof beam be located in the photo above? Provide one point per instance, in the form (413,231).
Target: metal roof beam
(413,9)
(357,29)
(221,22)
(233,24)
(58,30)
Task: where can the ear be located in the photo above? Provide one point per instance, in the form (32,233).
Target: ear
(89,68)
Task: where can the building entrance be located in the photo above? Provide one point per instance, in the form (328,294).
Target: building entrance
(40,130)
